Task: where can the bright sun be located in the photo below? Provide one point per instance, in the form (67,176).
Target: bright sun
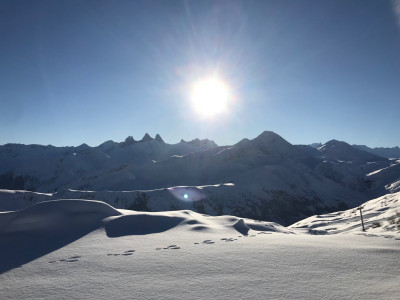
(210,97)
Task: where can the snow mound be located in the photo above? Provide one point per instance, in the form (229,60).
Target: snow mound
(381,217)
(47,226)
(139,224)
(50,225)
(56,215)
(241,227)
(244,227)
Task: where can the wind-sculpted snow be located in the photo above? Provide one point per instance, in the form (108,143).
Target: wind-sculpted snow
(79,249)
(56,215)
(139,224)
(46,226)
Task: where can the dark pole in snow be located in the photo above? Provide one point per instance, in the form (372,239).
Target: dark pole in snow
(362,220)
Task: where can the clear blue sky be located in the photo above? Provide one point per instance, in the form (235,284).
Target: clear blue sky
(89,71)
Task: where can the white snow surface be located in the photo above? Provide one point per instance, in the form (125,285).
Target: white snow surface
(381,216)
(83,249)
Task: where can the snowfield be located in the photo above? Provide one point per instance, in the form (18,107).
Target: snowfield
(81,249)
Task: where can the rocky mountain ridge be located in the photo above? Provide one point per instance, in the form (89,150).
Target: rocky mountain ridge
(264,178)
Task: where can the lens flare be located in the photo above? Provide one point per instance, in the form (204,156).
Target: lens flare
(187,194)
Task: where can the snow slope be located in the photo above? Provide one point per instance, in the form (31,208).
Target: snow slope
(381,216)
(77,249)
(56,223)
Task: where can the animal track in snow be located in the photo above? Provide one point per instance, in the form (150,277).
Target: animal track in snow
(208,242)
(173,247)
(228,239)
(69,259)
(126,253)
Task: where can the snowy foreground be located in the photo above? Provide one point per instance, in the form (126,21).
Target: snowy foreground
(75,249)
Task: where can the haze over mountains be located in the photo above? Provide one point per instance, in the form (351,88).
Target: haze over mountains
(265,178)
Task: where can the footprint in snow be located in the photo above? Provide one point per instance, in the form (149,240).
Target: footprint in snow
(69,259)
(173,247)
(126,253)
(208,242)
(228,239)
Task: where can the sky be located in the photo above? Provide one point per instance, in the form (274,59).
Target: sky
(74,72)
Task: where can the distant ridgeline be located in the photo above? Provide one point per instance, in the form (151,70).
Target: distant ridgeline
(265,178)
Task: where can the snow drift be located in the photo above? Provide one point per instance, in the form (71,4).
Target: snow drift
(46,226)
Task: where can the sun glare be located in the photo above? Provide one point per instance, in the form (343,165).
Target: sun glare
(210,97)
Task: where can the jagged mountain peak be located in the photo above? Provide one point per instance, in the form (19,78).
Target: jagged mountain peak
(146,138)
(128,141)
(158,138)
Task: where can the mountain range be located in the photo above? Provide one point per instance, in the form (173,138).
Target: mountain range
(264,178)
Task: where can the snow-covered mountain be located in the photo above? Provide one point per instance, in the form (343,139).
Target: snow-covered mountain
(388,152)
(359,170)
(341,151)
(49,168)
(264,178)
